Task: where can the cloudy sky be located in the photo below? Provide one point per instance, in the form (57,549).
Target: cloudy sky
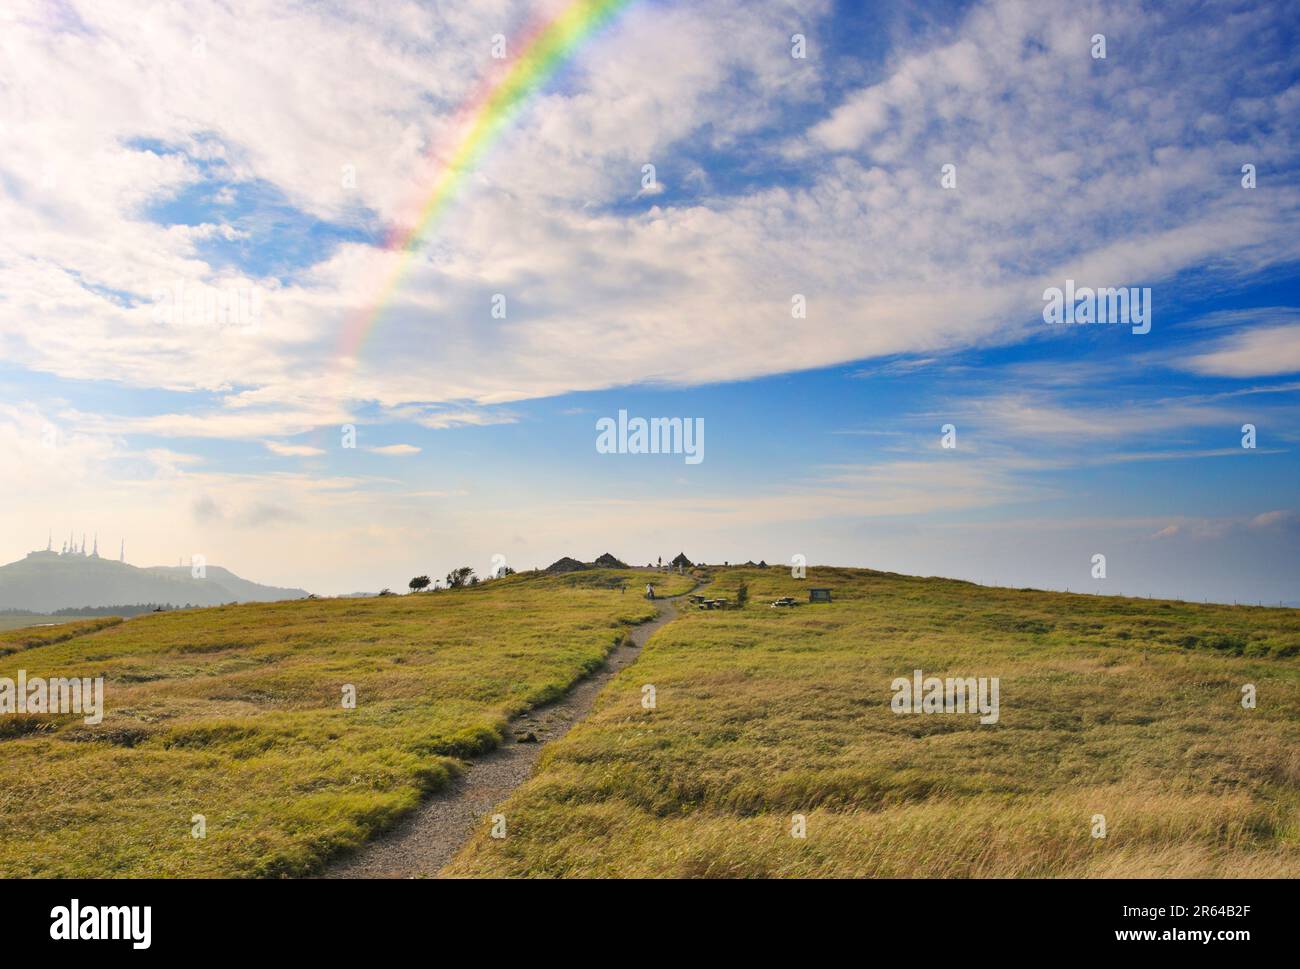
(199,204)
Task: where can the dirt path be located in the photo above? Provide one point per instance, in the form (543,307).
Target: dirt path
(426,841)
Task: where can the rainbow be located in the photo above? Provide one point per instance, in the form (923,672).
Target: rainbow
(543,51)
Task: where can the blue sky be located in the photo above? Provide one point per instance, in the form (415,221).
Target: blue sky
(194,164)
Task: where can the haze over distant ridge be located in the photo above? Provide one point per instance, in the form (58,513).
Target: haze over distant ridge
(45,581)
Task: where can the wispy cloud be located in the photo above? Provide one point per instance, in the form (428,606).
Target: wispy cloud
(293,450)
(889,262)
(1268,351)
(443,419)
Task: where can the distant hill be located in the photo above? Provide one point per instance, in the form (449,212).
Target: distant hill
(44,582)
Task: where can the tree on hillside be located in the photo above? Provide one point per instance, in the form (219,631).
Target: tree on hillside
(742,595)
(457,578)
(419,582)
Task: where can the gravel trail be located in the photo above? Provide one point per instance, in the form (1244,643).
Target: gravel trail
(422,844)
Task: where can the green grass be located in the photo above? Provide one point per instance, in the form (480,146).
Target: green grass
(1129,708)
(235,713)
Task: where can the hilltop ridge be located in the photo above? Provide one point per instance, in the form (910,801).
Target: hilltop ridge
(43,583)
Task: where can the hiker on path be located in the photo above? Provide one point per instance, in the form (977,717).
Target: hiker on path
(649,591)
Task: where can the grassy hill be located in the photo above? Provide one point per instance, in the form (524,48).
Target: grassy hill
(235,713)
(1123,707)
(1127,708)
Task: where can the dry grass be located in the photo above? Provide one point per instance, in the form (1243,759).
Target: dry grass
(1120,707)
(16,640)
(236,713)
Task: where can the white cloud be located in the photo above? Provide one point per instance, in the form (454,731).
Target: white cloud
(443,419)
(1267,351)
(691,292)
(396,450)
(1122,171)
(1014,416)
(234,420)
(1276,519)
(293,450)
